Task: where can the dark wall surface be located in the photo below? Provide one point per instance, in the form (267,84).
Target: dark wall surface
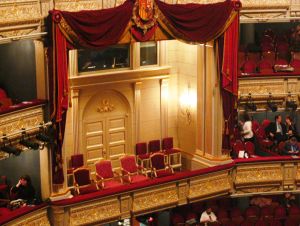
(17,70)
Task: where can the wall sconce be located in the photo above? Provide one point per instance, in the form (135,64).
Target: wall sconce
(188,101)
(271,104)
(250,105)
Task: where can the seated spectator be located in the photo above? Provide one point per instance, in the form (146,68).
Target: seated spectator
(291,147)
(23,192)
(291,128)
(208,216)
(289,200)
(276,131)
(261,201)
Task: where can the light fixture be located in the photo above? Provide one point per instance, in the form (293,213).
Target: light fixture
(11,150)
(250,105)
(43,137)
(290,103)
(188,101)
(27,143)
(271,105)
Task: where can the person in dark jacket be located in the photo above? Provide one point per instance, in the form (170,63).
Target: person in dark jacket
(276,131)
(24,190)
(291,128)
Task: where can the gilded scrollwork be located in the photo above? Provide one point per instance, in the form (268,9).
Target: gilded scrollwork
(40,218)
(257,175)
(261,86)
(19,120)
(95,212)
(208,186)
(156,198)
(265,4)
(20,13)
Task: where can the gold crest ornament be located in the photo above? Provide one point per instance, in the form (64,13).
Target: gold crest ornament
(144,15)
(146,9)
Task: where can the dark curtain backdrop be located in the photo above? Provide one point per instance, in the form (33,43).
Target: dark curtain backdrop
(192,23)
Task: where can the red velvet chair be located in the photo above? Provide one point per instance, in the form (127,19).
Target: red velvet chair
(82,181)
(249,67)
(266,212)
(177,219)
(237,147)
(279,213)
(250,148)
(143,157)
(295,63)
(252,214)
(131,172)
(294,211)
(173,154)
(292,221)
(105,176)
(236,216)
(265,66)
(261,222)
(281,146)
(154,146)
(222,216)
(265,123)
(255,125)
(76,162)
(159,167)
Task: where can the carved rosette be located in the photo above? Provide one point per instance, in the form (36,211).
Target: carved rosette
(209,186)
(258,175)
(95,212)
(155,199)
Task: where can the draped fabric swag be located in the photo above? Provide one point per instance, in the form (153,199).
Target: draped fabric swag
(191,23)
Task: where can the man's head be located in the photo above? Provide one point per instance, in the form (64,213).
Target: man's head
(293,140)
(278,118)
(25,180)
(208,210)
(288,119)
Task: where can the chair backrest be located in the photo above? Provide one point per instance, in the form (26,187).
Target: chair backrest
(279,212)
(154,146)
(77,161)
(157,161)
(167,143)
(281,146)
(249,147)
(104,169)
(141,148)
(255,125)
(82,176)
(249,66)
(265,123)
(238,146)
(128,163)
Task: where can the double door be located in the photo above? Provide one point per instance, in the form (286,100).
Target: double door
(105,138)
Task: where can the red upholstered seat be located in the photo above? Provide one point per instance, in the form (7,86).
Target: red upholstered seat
(265,123)
(141,153)
(82,182)
(235,212)
(294,210)
(281,146)
(265,66)
(292,221)
(154,146)
(295,63)
(249,148)
(177,219)
(105,176)
(249,66)
(252,211)
(279,213)
(266,212)
(2,93)
(131,172)
(255,125)
(281,62)
(173,154)
(261,222)
(159,167)
(237,147)
(76,162)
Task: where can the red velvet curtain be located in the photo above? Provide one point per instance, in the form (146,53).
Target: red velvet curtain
(196,22)
(228,55)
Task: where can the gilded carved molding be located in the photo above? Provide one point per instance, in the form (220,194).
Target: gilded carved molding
(155,199)
(261,86)
(21,119)
(265,4)
(95,212)
(257,175)
(207,186)
(40,218)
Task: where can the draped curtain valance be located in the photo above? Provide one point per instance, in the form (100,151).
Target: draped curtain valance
(191,23)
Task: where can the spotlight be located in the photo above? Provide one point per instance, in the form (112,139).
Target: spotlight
(291,104)
(250,105)
(43,137)
(271,104)
(30,144)
(11,150)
